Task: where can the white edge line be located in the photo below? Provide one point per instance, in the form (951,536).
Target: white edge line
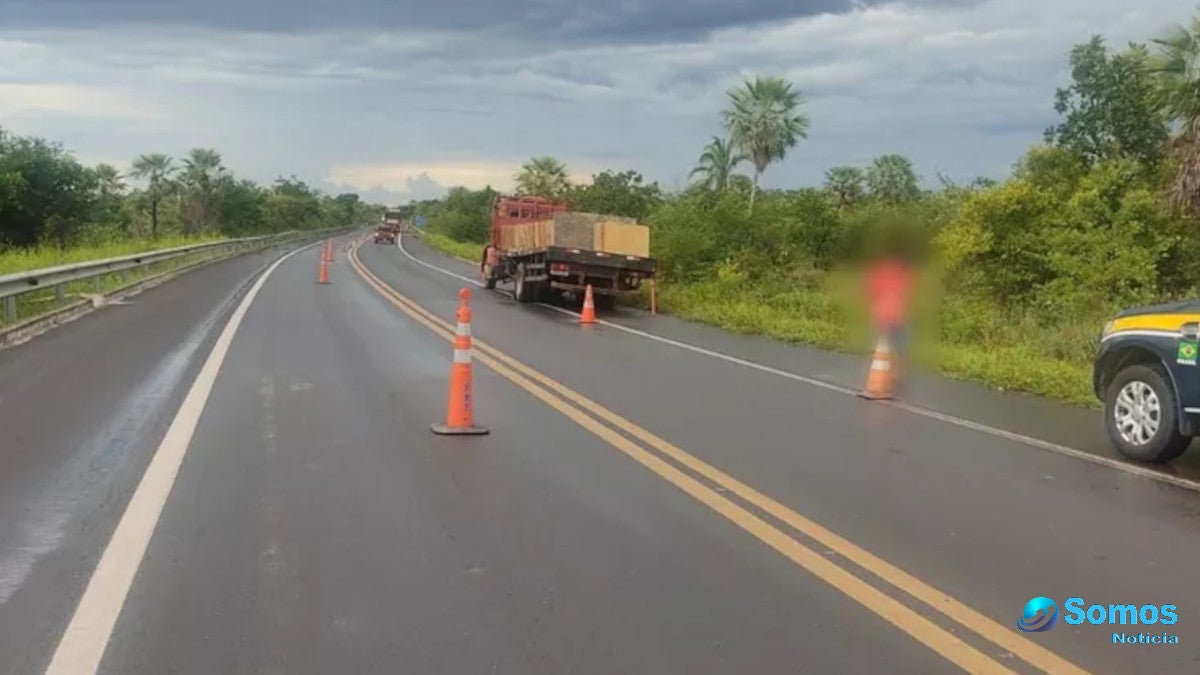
(907,407)
(400,245)
(85,639)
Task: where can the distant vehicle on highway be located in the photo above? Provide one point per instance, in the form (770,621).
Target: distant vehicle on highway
(393,220)
(1146,374)
(385,235)
(543,246)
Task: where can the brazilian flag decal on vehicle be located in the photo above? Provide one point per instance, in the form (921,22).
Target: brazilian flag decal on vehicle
(1187,353)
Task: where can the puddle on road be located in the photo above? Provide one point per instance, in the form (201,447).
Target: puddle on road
(82,484)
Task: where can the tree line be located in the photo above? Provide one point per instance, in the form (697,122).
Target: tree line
(1102,212)
(48,196)
(465,214)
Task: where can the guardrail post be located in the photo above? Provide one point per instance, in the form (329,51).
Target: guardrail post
(131,268)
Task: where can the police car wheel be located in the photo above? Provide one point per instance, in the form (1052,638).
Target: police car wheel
(1141,417)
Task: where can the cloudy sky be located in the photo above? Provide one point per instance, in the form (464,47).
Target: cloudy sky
(397,99)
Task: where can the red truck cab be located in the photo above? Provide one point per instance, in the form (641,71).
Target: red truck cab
(385,235)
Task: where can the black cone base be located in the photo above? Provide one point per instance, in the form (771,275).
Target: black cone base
(443,430)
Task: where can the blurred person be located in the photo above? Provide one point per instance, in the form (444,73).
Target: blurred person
(491,257)
(890,275)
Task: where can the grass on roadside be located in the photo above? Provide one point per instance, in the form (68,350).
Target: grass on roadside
(45,301)
(48,300)
(972,342)
(464,250)
(26,259)
(1011,353)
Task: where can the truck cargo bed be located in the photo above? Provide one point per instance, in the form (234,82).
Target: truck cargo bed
(600,259)
(577,231)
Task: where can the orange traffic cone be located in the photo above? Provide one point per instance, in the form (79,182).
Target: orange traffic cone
(459,414)
(323,272)
(589,308)
(879,380)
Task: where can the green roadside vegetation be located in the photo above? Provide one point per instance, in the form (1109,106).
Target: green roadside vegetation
(37,304)
(42,256)
(465,250)
(1022,272)
(56,211)
(47,255)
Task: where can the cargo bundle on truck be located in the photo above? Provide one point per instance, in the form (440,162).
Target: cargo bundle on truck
(541,245)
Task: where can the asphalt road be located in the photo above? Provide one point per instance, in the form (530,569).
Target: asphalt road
(81,410)
(638,507)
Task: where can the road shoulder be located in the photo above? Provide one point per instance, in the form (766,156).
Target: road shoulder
(1072,427)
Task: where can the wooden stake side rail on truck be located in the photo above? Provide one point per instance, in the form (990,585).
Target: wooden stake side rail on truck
(542,245)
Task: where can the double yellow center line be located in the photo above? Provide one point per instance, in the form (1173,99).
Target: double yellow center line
(593,416)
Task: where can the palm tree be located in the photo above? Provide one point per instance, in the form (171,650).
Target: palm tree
(891,179)
(109,180)
(846,184)
(543,177)
(1177,93)
(716,164)
(202,166)
(764,121)
(158,169)
(202,171)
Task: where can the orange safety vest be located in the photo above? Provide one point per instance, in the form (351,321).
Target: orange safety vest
(889,289)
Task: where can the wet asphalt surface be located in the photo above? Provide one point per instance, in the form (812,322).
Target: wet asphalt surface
(317,526)
(82,408)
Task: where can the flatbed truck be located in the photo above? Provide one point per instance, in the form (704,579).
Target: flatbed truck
(541,246)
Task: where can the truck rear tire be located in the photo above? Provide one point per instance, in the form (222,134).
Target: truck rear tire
(522,289)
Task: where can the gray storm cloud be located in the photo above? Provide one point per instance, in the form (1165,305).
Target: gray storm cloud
(399,101)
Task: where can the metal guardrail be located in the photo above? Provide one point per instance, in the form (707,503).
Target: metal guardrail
(20,283)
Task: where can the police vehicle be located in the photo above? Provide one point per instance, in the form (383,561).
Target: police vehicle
(1146,374)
